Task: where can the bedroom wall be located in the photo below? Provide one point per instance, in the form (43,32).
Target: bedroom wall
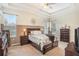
(77,11)
(26,19)
(67,16)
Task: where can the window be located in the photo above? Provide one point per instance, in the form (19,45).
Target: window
(10,24)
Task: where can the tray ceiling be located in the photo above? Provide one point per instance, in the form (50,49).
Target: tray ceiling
(44,7)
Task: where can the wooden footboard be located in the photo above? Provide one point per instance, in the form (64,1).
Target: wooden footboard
(35,45)
(46,48)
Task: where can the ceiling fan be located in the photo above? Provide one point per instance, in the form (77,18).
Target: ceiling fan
(49,5)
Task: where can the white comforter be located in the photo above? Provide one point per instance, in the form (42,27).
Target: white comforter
(40,39)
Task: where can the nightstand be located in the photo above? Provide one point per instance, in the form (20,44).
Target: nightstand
(24,40)
(51,37)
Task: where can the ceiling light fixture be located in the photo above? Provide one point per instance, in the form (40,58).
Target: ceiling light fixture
(48,5)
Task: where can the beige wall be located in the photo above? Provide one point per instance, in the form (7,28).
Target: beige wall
(26,19)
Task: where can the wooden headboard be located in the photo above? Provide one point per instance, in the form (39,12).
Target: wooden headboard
(32,29)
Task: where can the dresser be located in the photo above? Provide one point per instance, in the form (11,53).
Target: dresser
(24,40)
(65,35)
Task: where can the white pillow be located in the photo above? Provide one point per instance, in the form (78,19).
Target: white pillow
(36,32)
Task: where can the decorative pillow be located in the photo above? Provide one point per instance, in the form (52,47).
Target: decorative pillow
(36,32)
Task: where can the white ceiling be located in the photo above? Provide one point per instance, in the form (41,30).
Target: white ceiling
(51,8)
(40,6)
(43,7)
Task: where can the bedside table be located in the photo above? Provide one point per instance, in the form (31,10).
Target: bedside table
(51,37)
(24,40)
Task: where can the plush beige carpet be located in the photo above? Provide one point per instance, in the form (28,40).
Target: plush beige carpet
(28,50)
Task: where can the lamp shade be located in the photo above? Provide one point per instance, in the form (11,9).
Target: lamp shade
(24,30)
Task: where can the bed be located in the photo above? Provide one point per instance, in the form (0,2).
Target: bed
(38,40)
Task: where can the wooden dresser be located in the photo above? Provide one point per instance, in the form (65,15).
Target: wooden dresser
(24,40)
(65,35)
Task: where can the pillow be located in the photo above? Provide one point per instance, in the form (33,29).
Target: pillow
(35,32)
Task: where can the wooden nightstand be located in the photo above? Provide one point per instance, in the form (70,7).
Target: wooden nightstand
(24,40)
(51,37)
